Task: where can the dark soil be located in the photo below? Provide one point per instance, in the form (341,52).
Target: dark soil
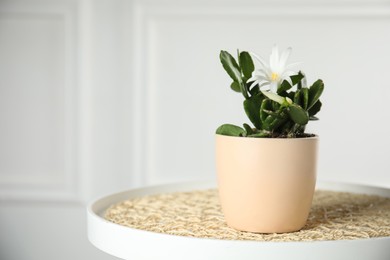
(299,135)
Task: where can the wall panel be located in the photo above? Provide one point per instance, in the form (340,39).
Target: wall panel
(38,102)
(183,93)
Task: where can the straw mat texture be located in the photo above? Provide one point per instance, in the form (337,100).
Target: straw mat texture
(334,216)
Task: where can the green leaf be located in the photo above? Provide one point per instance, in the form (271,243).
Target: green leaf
(252,109)
(305,97)
(297,97)
(235,86)
(278,114)
(271,123)
(298,114)
(231,67)
(274,97)
(270,113)
(287,126)
(290,95)
(315,92)
(266,105)
(294,79)
(301,97)
(261,134)
(276,106)
(254,90)
(230,130)
(248,129)
(284,86)
(296,129)
(315,109)
(313,118)
(271,120)
(246,64)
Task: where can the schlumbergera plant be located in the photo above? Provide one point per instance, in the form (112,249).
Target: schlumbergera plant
(278,101)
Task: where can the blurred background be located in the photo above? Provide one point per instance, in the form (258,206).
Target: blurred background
(106,95)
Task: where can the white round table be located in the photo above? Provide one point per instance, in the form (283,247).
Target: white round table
(128,243)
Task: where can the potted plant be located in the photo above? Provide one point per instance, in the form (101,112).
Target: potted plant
(267,172)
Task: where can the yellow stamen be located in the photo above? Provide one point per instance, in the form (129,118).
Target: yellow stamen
(274,76)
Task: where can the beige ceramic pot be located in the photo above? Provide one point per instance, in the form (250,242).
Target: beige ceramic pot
(266,185)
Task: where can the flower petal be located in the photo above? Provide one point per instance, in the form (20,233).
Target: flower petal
(256,78)
(265,83)
(274,58)
(273,74)
(285,55)
(273,86)
(262,62)
(259,72)
(253,84)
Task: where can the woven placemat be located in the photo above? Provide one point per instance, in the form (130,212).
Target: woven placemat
(334,216)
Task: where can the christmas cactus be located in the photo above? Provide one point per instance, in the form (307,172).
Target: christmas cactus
(278,101)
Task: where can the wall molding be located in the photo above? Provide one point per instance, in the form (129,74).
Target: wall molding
(148,13)
(51,186)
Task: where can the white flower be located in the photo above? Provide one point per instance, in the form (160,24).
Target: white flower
(273,74)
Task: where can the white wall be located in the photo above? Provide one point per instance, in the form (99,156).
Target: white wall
(100,96)
(184,93)
(60,108)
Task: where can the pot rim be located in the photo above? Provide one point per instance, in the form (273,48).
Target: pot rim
(315,137)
